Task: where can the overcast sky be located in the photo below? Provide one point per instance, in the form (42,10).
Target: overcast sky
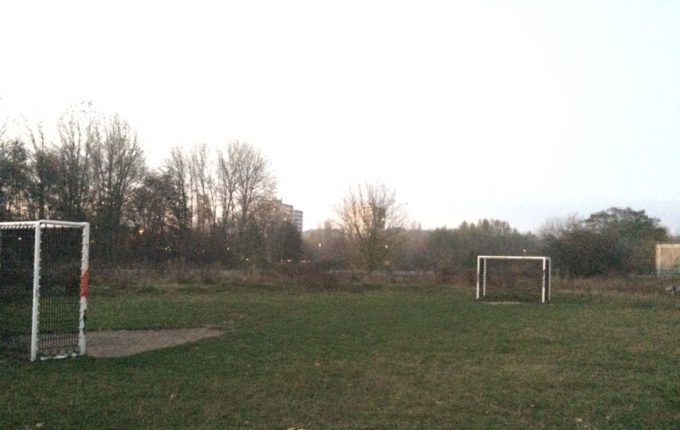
(516,110)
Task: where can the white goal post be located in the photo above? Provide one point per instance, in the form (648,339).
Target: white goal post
(482,261)
(44,274)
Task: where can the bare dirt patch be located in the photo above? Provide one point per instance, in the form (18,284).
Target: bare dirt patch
(119,343)
(502,303)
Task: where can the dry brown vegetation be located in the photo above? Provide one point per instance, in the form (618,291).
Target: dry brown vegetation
(306,276)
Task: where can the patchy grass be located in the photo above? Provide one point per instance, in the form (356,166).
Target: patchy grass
(378,358)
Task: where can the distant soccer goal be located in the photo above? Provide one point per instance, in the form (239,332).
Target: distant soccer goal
(44,283)
(513,277)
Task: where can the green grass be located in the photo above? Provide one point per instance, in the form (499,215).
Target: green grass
(381,358)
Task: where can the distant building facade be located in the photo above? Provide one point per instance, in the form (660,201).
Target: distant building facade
(667,259)
(290,214)
(297,219)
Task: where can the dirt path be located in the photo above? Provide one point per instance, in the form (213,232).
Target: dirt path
(119,343)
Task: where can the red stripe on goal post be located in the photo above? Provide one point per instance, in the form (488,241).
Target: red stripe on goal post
(85,284)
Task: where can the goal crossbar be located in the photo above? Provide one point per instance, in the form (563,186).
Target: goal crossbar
(545,277)
(9,225)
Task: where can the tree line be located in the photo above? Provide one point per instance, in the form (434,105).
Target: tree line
(200,206)
(613,241)
(218,206)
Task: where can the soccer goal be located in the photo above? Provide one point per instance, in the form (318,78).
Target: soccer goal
(44,283)
(515,277)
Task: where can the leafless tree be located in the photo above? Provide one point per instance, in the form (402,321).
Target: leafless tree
(118,164)
(253,181)
(245,189)
(3,128)
(226,187)
(14,179)
(44,174)
(203,189)
(79,132)
(150,214)
(176,168)
(372,220)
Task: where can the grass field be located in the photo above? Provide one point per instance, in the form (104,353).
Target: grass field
(365,358)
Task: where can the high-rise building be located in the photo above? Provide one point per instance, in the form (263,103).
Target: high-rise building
(290,214)
(297,219)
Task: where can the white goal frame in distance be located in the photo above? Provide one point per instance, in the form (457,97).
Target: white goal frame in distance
(481,273)
(37,226)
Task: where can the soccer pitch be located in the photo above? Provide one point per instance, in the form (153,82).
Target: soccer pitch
(378,358)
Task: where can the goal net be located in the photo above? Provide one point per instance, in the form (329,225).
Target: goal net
(513,278)
(44,282)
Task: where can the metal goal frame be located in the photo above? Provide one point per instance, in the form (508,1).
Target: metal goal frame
(545,277)
(38,227)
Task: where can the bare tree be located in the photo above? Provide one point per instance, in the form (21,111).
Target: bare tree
(14,178)
(79,133)
(203,189)
(3,127)
(226,188)
(176,168)
(245,189)
(150,215)
(372,220)
(44,174)
(252,178)
(118,164)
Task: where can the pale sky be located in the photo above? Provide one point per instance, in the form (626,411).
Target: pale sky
(515,110)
